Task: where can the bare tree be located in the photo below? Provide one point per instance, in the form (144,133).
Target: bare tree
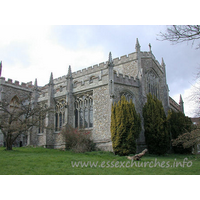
(18,117)
(181,33)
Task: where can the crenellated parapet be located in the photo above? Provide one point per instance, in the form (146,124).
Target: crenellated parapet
(90,70)
(146,54)
(90,82)
(125,80)
(9,82)
(125,58)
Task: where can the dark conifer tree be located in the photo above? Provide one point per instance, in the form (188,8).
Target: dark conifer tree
(179,124)
(156,126)
(125,127)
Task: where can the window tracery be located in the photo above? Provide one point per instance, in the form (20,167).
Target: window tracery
(153,84)
(60,114)
(84,111)
(42,117)
(127,95)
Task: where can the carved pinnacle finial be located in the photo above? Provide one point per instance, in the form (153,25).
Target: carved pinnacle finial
(51,79)
(69,72)
(181,100)
(35,84)
(0,67)
(110,61)
(181,103)
(137,46)
(149,47)
(163,63)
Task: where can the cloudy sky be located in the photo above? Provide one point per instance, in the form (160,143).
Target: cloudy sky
(29,52)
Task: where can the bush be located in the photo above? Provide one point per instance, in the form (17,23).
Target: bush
(125,127)
(156,126)
(78,140)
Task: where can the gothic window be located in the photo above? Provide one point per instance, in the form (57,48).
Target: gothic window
(41,123)
(153,84)
(128,96)
(84,111)
(14,102)
(60,114)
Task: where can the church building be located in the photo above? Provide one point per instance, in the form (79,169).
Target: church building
(84,98)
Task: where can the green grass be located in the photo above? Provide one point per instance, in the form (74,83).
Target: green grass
(40,161)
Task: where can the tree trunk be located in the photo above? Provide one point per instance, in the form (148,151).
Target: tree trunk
(8,144)
(137,156)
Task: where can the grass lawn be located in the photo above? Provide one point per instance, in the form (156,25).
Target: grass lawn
(40,161)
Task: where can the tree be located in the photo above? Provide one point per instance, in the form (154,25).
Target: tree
(181,33)
(125,127)
(179,124)
(156,126)
(18,117)
(189,139)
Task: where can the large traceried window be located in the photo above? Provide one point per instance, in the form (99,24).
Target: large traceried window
(128,96)
(84,111)
(60,114)
(152,84)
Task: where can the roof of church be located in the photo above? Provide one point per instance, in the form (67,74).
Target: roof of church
(174,105)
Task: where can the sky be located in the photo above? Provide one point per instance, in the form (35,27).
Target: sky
(30,48)
(29,52)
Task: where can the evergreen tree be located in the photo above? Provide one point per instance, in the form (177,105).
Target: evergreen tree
(179,124)
(156,127)
(125,127)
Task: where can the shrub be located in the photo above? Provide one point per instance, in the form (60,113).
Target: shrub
(77,140)
(125,127)
(156,127)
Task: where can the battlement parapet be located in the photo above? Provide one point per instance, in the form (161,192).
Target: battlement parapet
(125,80)
(125,58)
(99,67)
(90,82)
(9,82)
(89,70)
(146,54)
(59,79)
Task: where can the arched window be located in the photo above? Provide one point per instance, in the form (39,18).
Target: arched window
(84,111)
(14,103)
(152,83)
(42,117)
(128,95)
(60,114)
